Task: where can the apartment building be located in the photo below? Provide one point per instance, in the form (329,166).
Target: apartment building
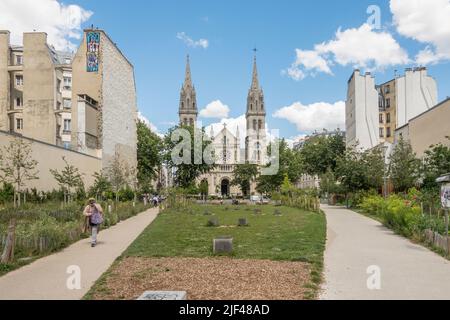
(104,108)
(362,114)
(404,98)
(35,89)
(427,129)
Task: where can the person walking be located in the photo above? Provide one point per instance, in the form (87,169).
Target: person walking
(94,214)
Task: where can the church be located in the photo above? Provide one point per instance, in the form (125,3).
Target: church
(227,144)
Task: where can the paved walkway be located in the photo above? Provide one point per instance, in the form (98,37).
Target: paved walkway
(355,242)
(47,278)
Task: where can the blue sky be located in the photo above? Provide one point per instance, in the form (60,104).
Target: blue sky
(146,31)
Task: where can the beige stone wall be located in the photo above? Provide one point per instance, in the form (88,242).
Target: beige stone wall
(4,80)
(39,89)
(50,157)
(113,87)
(119,107)
(89,83)
(430,128)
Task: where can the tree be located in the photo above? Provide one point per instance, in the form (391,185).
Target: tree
(244,175)
(321,153)
(184,150)
(17,166)
(436,163)
(374,162)
(351,171)
(290,164)
(116,174)
(100,187)
(149,148)
(69,179)
(403,166)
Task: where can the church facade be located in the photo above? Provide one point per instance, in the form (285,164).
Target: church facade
(231,148)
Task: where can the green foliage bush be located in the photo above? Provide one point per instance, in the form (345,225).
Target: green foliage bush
(401,213)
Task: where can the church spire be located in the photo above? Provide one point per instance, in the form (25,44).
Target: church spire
(255,82)
(188,78)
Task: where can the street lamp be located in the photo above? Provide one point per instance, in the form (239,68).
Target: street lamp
(444,181)
(385,149)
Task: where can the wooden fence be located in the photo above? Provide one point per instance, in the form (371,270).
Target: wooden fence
(438,241)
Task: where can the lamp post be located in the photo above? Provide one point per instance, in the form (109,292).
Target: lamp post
(385,149)
(444,181)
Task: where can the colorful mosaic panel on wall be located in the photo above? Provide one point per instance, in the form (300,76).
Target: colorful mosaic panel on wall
(93,51)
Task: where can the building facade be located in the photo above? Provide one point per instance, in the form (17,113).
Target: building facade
(362,114)
(35,94)
(227,144)
(104,108)
(429,128)
(78,106)
(403,98)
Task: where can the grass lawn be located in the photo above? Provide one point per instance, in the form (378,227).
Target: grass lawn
(295,236)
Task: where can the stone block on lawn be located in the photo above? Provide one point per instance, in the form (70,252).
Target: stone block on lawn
(257,211)
(223,245)
(213,222)
(163,295)
(243,222)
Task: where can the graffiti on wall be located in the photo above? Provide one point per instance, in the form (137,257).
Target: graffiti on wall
(93,51)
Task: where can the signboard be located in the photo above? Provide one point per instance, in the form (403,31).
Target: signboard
(445,195)
(93,51)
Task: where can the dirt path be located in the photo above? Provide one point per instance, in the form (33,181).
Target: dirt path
(407,271)
(47,278)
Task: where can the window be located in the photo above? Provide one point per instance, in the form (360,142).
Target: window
(66,145)
(19,80)
(388,103)
(388,118)
(388,132)
(259,125)
(68,61)
(19,60)
(67,103)
(191,122)
(67,82)
(19,102)
(381,118)
(182,105)
(58,105)
(67,125)
(387,89)
(58,85)
(19,124)
(381,132)
(255,123)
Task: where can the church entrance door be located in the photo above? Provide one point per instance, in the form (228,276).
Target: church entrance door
(225,188)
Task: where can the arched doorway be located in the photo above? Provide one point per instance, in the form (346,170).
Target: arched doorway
(225,187)
(204,188)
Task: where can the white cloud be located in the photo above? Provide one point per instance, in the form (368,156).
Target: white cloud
(150,125)
(203,43)
(61,22)
(427,22)
(216,109)
(360,47)
(314,117)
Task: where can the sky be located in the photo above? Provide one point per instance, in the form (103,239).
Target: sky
(306,50)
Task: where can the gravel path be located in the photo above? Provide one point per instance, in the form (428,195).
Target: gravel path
(47,278)
(355,243)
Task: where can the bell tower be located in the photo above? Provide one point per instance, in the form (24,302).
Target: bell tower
(256,121)
(188,111)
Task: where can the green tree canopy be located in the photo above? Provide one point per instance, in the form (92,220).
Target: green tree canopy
(321,153)
(185,156)
(149,157)
(403,167)
(244,174)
